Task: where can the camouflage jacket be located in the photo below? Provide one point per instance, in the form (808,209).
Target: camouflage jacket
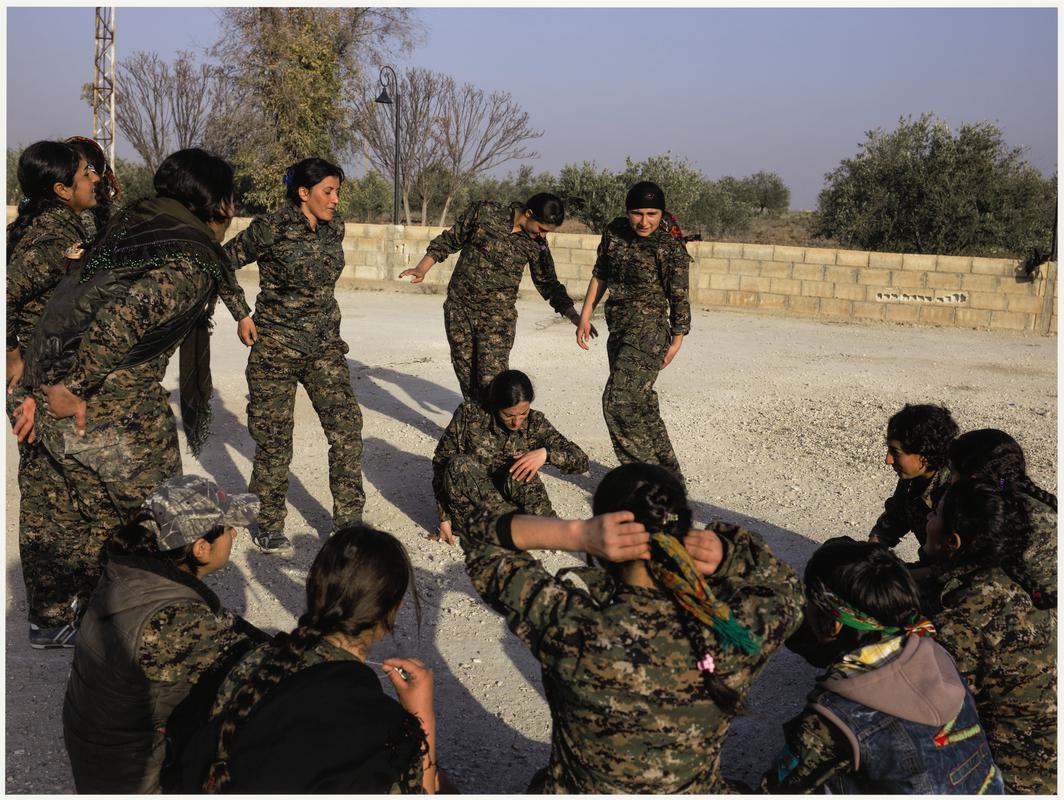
(410,782)
(475,431)
(646,277)
(1040,557)
(298,270)
(489,270)
(1007,650)
(907,509)
(182,641)
(36,267)
(627,702)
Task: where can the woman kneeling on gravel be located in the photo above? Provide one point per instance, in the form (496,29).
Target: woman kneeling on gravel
(305,714)
(646,667)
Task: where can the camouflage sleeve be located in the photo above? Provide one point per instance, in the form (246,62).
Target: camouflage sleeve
(765,594)
(814,752)
(450,445)
(33,271)
(601,270)
(182,641)
(244,248)
(456,237)
(232,294)
(561,453)
(962,632)
(677,265)
(892,524)
(153,299)
(545,279)
(539,608)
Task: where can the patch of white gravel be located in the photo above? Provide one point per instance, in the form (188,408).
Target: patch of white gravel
(778,424)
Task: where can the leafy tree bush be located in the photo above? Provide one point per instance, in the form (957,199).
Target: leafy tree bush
(591,195)
(366,199)
(721,208)
(767,192)
(923,189)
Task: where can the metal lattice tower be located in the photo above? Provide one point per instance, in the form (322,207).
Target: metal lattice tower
(103,82)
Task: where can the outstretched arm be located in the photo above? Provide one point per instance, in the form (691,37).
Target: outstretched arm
(596,287)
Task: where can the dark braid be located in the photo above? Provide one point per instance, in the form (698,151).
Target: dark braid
(41,166)
(356,582)
(726,698)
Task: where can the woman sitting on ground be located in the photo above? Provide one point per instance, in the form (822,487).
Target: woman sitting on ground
(305,714)
(153,629)
(645,668)
(492,451)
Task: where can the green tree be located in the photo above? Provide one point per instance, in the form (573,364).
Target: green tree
(591,195)
(681,182)
(722,208)
(299,71)
(366,199)
(767,192)
(134,179)
(921,188)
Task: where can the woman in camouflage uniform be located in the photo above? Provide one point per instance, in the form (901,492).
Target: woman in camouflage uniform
(58,185)
(1002,643)
(295,339)
(305,714)
(107,190)
(153,630)
(480,313)
(492,452)
(993,454)
(645,268)
(646,667)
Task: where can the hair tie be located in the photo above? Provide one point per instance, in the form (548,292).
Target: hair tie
(1001,483)
(920,627)
(707,664)
(287,179)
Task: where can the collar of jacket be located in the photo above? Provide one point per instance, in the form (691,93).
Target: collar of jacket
(291,214)
(166,569)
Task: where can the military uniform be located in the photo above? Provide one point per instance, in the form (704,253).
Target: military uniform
(647,279)
(1007,650)
(298,321)
(48,553)
(629,710)
(480,313)
(1040,557)
(472,461)
(907,509)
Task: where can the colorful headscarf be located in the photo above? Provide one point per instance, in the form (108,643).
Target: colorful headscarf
(672,566)
(859,621)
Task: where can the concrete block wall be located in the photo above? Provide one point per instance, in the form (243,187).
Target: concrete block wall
(956,291)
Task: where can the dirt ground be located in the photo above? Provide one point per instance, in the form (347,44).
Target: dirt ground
(777,422)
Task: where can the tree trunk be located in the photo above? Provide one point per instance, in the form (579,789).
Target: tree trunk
(446,207)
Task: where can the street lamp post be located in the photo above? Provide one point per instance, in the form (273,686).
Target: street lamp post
(385,99)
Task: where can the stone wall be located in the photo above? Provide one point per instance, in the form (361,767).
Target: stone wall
(959,291)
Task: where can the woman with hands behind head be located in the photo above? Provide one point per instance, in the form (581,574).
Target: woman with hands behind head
(645,668)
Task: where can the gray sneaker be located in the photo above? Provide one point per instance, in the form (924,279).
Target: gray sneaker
(269,541)
(52,638)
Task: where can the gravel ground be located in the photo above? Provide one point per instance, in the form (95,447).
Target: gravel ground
(778,424)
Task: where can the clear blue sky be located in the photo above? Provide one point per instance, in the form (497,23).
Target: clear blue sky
(735,91)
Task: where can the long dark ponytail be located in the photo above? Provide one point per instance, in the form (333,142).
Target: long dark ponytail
(355,583)
(40,167)
(658,500)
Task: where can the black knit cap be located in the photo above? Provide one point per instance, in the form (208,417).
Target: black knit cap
(645,194)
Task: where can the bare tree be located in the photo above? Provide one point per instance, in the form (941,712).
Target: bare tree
(480,131)
(144,83)
(422,94)
(191,99)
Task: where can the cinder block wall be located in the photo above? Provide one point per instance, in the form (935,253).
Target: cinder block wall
(957,291)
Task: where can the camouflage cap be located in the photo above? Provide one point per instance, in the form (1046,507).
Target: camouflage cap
(187,507)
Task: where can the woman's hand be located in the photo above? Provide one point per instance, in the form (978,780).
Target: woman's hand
(527,465)
(584,332)
(60,403)
(417,274)
(415,694)
(24,416)
(615,537)
(575,318)
(706,549)
(246,330)
(674,348)
(15,367)
(443,533)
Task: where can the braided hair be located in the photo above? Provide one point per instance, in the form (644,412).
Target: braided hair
(355,584)
(990,527)
(40,167)
(658,500)
(992,455)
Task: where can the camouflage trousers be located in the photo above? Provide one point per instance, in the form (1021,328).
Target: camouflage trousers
(480,345)
(273,371)
(73,503)
(629,402)
(468,484)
